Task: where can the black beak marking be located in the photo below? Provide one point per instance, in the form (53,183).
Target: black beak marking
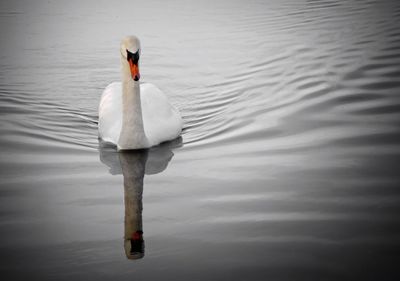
(133,56)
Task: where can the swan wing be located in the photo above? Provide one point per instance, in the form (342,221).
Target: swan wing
(162,121)
(110,113)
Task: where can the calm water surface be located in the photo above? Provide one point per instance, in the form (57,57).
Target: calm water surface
(288,166)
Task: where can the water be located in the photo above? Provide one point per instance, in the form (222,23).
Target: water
(287,168)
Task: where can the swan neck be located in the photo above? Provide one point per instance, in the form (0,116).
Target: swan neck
(132,134)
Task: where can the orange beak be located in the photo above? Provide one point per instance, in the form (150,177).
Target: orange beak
(134,70)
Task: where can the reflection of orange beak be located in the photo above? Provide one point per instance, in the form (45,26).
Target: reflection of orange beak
(138,235)
(134,70)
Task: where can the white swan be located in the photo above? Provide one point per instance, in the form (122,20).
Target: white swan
(134,115)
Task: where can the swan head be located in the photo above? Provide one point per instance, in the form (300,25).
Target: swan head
(130,52)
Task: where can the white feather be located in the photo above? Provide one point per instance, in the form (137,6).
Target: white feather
(161,120)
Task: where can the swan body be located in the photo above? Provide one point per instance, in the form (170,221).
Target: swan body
(134,115)
(161,121)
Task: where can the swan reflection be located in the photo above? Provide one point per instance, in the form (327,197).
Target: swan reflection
(133,165)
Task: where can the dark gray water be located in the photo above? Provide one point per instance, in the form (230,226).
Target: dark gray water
(288,166)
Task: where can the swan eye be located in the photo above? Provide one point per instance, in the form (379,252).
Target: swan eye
(132,56)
